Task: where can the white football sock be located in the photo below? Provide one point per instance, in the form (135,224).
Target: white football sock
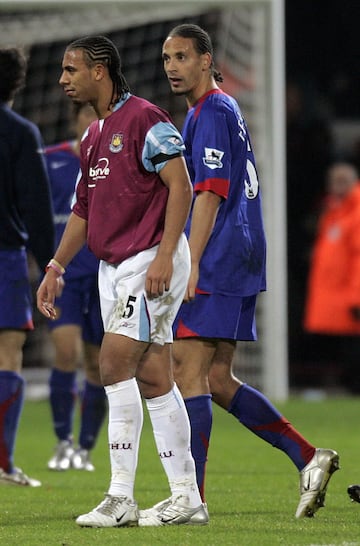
(124,429)
(171,429)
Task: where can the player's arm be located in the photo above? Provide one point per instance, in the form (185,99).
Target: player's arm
(74,237)
(211,184)
(176,178)
(33,195)
(203,219)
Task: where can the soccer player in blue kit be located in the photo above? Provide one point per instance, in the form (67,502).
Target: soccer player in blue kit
(132,202)
(26,223)
(227,244)
(77,331)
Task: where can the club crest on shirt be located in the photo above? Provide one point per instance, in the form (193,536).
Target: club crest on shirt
(116,144)
(212,158)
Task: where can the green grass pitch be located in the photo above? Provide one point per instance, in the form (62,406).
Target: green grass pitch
(252,488)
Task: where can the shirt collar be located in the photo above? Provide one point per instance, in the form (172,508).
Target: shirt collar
(121,102)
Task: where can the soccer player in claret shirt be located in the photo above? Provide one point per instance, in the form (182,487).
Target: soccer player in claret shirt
(132,202)
(77,331)
(227,245)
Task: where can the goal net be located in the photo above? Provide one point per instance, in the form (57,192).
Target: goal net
(248,44)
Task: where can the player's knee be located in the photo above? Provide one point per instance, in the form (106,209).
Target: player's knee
(67,360)
(179,371)
(221,379)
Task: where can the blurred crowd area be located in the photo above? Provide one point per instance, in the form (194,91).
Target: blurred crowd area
(322,126)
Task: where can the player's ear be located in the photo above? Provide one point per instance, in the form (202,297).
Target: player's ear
(99,71)
(206,61)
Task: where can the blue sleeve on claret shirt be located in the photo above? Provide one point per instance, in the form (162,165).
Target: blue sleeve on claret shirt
(162,142)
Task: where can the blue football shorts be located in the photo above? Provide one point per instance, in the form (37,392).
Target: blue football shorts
(16,302)
(218,317)
(79,304)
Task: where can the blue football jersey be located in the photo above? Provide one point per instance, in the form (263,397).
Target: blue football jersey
(220,159)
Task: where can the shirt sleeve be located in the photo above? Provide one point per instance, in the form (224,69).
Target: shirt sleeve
(35,204)
(211,153)
(162,143)
(79,203)
(73,199)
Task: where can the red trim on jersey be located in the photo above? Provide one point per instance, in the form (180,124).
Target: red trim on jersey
(220,186)
(200,102)
(184,331)
(199,291)
(29,325)
(66,146)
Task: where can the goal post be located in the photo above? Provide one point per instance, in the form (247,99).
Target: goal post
(248,38)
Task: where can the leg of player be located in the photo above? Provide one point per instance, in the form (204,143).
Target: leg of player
(11,404)
(169,421)
(172,435)
(63,391)
(255,411)
(192,360)
(93,409)
(119,357)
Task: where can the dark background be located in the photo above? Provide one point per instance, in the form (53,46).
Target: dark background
(322,51)
(323,91)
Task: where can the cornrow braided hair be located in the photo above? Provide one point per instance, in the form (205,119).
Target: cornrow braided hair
(99,49)
(202,43)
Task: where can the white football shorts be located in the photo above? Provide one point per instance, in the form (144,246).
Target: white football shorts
(125,307)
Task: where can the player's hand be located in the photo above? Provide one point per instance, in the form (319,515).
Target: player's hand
(158,276)
(46,293)
(192,283)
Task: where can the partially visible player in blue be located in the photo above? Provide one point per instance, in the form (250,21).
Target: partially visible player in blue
(25,223)
(77,331)
(227,245)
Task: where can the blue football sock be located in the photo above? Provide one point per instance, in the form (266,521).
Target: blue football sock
(63,391)
(257,413)
(199,409)
(11,403)
(93,410)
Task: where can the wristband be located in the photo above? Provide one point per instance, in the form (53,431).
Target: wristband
(56,266)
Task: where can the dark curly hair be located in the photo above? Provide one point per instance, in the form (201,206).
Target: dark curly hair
(12,72)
